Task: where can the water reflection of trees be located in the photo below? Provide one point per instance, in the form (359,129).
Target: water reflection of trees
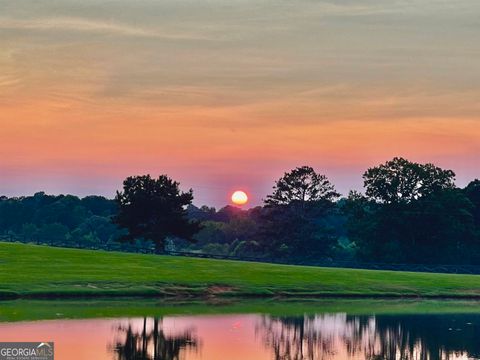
(293,338)
(415,337)
(151,342)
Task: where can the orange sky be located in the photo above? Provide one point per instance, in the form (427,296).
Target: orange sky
(230,96)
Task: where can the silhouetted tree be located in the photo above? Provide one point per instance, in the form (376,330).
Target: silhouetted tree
(154,209)
(400,180)
(293,222)
(412,213)
(301,186)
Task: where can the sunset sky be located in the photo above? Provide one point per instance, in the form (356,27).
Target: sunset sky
(225,95)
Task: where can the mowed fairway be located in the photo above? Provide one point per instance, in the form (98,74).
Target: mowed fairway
(36,271)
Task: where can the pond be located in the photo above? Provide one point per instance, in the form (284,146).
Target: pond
(259,336)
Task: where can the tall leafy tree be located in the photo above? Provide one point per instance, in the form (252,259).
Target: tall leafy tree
(412,213)
(401,181)
(293,223)
(154,209)
(301,186)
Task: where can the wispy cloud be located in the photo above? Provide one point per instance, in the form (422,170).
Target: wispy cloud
(93,26)
(8,80)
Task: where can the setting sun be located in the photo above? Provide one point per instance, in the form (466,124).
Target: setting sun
(239,197)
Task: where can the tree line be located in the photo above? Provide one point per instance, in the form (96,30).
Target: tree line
(408,213)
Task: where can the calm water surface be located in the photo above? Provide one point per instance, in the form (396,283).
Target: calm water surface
(258,337)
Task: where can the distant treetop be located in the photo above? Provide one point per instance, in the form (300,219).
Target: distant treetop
(301,185)
(401,181)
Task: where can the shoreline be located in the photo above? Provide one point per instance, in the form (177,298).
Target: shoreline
(227,297)
(70,309)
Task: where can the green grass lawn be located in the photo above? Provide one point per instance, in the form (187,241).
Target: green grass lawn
(35,271)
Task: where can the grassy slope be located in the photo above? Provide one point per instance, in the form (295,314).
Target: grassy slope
(28,270)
